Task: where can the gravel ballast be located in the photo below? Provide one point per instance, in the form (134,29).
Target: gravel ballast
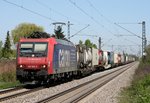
(110,92)
(104,95)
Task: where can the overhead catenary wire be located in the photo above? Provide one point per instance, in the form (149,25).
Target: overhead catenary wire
(128,30)
(79,31)
(55,11)
(123,45)
(31,11)
(89,35)
(91,17)
(109,21)
(46,17)
(129,23)
(97,10)
(46,6)
(131,41)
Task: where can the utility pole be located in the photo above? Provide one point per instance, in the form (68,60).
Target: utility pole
(69,30)
(100,43)
(112,47)
(143,40)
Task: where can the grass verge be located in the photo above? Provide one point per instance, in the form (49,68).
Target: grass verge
(139,91)
(5,85)
(8,79)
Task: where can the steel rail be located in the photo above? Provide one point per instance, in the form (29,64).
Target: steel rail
(48,99)
(97,87)
(20,94)
(11,89)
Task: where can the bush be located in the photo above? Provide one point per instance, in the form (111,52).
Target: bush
(139,91)
(7,65)
(8,76)
(142,71)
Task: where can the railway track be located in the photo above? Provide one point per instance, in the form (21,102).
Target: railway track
(21,92)
(68,93)
(79,92)
(11,90)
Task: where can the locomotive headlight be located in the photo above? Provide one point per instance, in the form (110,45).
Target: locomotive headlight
(21,66)
(43,66)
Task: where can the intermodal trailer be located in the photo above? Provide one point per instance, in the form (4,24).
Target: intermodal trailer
(106,59)
(95,57)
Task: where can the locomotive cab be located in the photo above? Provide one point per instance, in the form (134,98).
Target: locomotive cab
(33,63)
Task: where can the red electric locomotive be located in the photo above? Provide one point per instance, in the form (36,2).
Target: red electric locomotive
(39,60)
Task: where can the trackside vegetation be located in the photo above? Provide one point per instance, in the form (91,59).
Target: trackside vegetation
(8,54)
(8,79)
(7,74)
(139,90)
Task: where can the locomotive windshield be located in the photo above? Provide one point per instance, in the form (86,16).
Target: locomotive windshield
(33,49)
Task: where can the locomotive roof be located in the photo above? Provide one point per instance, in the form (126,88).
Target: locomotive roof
(64,42)
(59,41)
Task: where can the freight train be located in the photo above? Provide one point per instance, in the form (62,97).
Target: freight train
(44,59)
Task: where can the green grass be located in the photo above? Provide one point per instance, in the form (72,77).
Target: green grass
(8,79)
(9,76)
(5,85)
(139,91)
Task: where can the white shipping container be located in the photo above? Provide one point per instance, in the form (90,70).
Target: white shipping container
(87,55)
(127,59)
(115,58)
(95,57)
(105,59)
(122,58)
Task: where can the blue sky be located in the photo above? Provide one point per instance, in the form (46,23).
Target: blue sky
(99,14)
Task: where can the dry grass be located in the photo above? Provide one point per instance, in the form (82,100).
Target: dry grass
(7,66)
(142,71)
(7,70)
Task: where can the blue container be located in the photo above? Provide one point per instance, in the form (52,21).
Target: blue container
(112,58)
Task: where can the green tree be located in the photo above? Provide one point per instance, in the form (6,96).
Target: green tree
(59,33)
(6,51)
(80,42)
(24,30)
(89,44)
(94,46)
(1,43)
